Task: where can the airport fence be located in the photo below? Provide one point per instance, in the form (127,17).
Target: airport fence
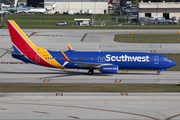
(112,21)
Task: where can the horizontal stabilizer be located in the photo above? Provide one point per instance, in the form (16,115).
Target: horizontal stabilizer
(3,49)
(18,54)
(7,50)
(10,51)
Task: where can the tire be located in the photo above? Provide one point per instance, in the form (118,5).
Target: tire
(90,72)
(158,73)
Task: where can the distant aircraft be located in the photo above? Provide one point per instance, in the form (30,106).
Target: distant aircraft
(105,62)
(3,12)
(40,10)
(20,10)
(110,2)
(4,6)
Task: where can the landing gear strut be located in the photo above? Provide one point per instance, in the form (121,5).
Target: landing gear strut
(158,72)
(90,72)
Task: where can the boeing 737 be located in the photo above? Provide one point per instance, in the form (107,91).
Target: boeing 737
(105,62)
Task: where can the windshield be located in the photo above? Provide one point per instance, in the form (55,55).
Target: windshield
(166,59)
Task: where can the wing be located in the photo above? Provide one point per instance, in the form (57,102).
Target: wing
(83,64)
(69,47)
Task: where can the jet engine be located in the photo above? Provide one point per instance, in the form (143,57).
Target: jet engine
(109,69)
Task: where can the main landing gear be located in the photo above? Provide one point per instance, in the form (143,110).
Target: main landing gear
(90,72)
(158,72)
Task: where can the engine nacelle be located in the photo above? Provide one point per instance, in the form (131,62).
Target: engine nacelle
(109,69)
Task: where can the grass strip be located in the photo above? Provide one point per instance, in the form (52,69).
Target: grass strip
(87,87)
(48,21)
(147,38)
(96,27)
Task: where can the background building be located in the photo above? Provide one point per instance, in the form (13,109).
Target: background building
(63,6)
(35,3)
(167,10)
(75,6)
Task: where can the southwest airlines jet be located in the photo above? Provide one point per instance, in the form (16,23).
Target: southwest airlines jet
(105,62)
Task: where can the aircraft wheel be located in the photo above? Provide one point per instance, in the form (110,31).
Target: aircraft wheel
(90,72)
(158,73)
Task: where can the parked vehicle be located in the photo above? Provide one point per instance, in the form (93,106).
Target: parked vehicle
(61,24)
(89,12)
(171,21)
(70,12)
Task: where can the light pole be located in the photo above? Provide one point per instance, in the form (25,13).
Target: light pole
(120,10)
(1,13)
(94,9)
(156,10)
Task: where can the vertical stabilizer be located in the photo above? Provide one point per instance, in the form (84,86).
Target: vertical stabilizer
(23,45)
(20,41)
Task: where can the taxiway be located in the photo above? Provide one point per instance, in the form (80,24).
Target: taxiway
(86,105)
(154,106)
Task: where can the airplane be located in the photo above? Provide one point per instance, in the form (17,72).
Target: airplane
(4,12)
(20,10)
(40,10)
(105,62)
(4,6)
(110,2)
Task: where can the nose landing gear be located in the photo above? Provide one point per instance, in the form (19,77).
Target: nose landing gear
(158,72)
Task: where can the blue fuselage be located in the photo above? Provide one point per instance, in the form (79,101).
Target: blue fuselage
(124,60)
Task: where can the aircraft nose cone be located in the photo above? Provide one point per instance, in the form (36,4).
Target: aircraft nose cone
(173,63)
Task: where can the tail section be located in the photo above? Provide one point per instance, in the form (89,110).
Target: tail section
(110,2)
(52,7)
(20,41)
(23,45)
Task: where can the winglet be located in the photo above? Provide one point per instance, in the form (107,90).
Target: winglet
(69,47)
(65,57)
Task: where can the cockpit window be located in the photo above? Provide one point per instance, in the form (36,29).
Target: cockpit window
(166,59)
